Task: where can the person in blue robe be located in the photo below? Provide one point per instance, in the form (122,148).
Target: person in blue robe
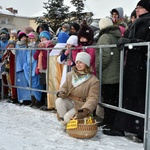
(29,67)
(24,96)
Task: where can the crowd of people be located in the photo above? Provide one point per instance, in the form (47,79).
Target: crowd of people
(64,65)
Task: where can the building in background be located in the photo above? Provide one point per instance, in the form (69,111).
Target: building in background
(10,19)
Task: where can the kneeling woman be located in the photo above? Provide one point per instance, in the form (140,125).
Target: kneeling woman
(79,94)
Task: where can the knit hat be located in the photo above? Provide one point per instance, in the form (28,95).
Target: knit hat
(3,32)
(4,35)
(145,4)
(21,34)
(11,42)
(133,13)
(76,26)
(5,29)
(83,57)
(32,35)
(86,32)
(104,23)
(45,34)
(62,37)
(13,33)
(73,40)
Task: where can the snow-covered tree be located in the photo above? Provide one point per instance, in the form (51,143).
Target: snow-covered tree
(79,15)
(56,14)
(79,9)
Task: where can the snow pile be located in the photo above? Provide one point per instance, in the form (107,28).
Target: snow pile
(25,128)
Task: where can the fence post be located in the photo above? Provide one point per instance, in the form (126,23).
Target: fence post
(147,105)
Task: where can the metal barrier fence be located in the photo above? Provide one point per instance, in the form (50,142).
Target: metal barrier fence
(146,116)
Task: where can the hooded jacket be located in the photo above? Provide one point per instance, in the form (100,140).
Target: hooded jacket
(110,55)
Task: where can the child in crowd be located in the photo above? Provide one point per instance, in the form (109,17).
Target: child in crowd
(118,19)
(64,56)
(74,28)
(85,38)
(8,74)
(41,57)
(4,37)
(24,96)
(13,35)
(54,77)
(65,28)
(30,71)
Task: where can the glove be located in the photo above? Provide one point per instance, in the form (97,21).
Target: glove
(121,42)
(62,94)
(82,113)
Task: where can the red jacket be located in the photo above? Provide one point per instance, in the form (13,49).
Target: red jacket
(90,51)
(48,44)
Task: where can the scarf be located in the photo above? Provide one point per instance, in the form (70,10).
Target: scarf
(79,77)
(22,44)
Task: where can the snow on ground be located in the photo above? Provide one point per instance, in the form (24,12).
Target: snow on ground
(25,128)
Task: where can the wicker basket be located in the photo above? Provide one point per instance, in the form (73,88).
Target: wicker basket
(83,131)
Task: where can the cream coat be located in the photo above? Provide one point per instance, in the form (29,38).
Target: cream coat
(88,90)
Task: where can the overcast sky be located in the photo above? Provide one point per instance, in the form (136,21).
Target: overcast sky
(98,7)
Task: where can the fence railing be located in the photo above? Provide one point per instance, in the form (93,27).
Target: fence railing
(120,108)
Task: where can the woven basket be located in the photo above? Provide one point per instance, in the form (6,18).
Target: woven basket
(83,131)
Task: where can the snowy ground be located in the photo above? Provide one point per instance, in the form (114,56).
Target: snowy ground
(25,128)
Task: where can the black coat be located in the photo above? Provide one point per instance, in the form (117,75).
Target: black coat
(135,68)
(135,78)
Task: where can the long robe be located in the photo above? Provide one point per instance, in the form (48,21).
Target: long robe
(54,75)
(9,75)
(35,78)
(23,94)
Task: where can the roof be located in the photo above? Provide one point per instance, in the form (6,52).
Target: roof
(6,12)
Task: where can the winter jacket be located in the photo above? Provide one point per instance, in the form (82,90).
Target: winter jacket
(49,44)
(120,21)
(88,91)
(135,68)
(110,55)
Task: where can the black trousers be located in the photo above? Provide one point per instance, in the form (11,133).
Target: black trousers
(130,123)
(110,94)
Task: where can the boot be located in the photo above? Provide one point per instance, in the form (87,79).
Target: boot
(37,104)
(44,107)
(33,101)
(114,132)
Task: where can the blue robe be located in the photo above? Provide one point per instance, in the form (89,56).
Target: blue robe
(23,94)
(35,78)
